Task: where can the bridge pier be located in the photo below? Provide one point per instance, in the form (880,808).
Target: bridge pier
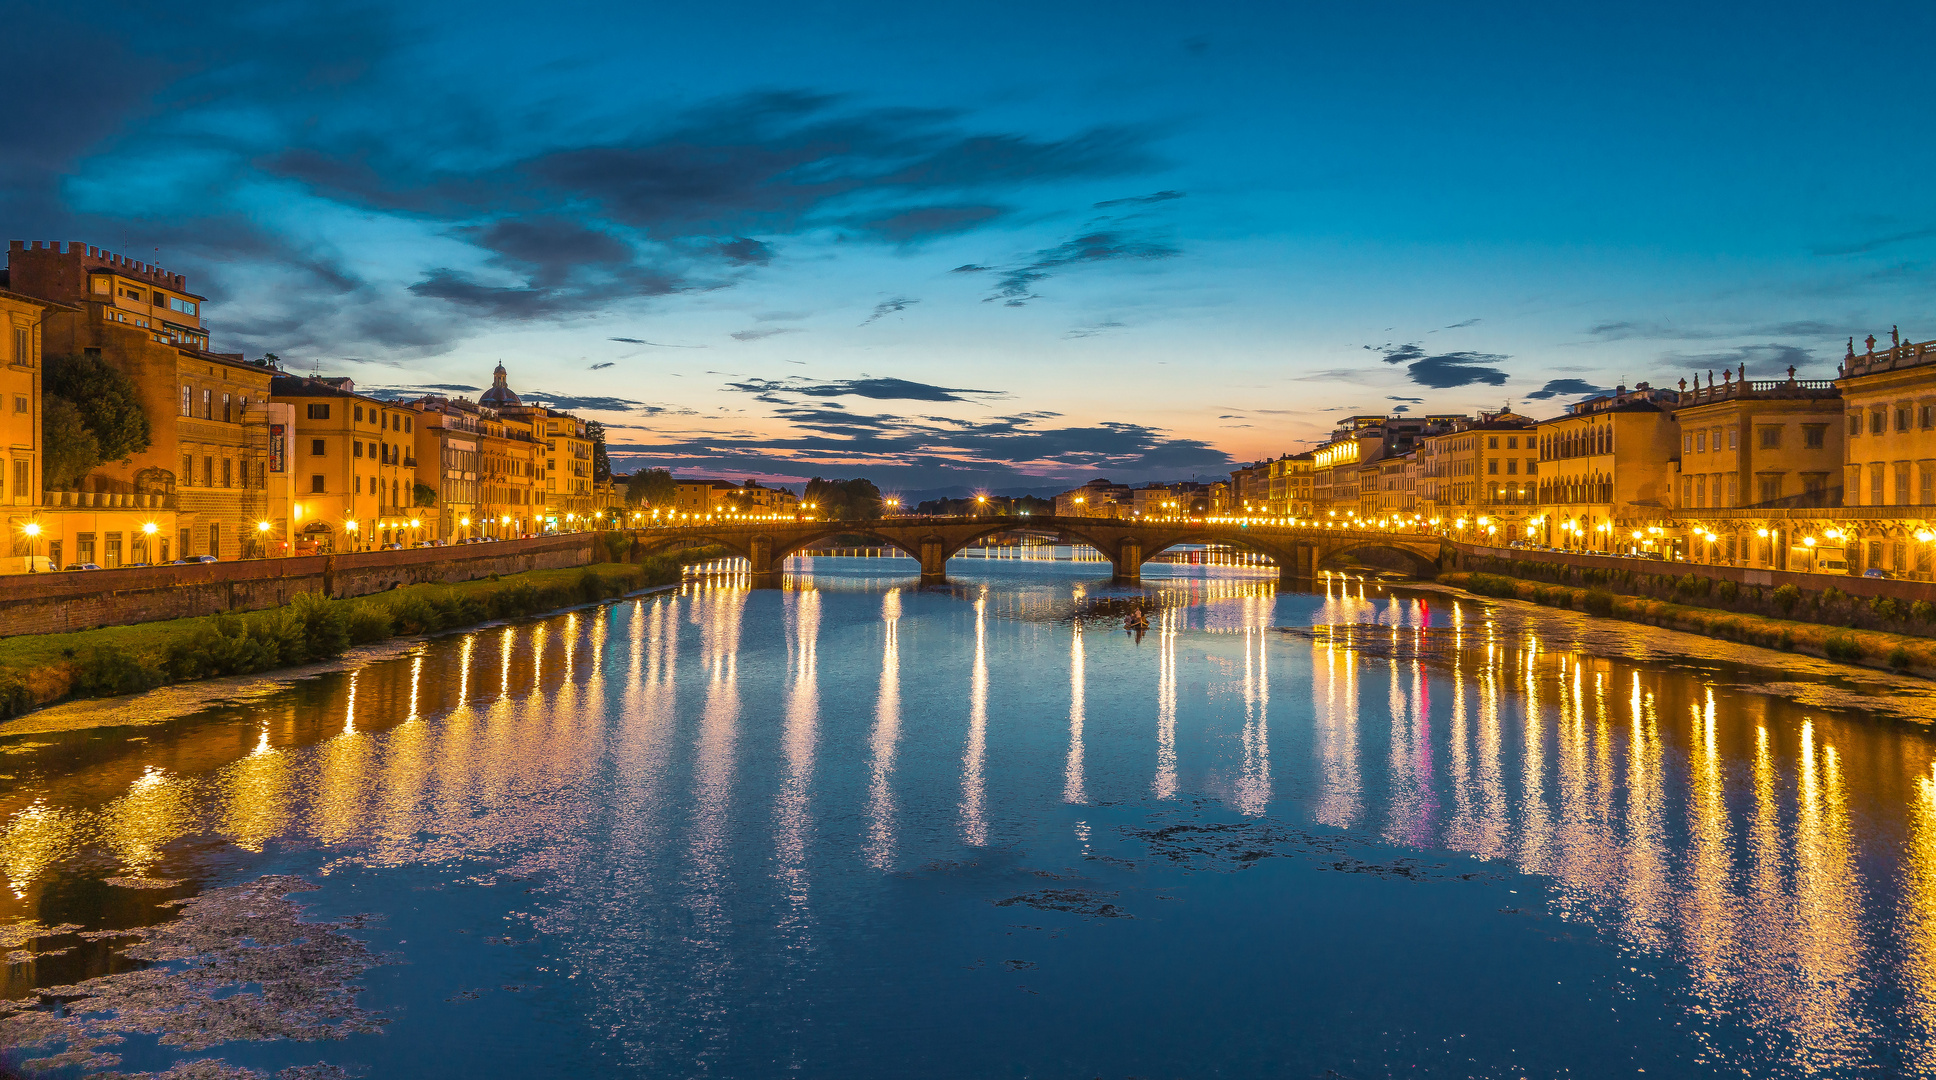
(1300,564)
(763,568)
(934,560)
(1129,560)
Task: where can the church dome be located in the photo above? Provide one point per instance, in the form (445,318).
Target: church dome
(499,396)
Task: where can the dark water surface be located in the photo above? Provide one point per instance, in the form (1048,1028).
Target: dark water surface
(856,828)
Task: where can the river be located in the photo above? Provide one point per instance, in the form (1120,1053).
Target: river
(853,827)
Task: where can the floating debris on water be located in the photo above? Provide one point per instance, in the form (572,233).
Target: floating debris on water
(238,964)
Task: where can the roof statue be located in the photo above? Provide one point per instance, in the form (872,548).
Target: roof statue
(499,396)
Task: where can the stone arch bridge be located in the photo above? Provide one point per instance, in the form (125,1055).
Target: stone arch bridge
(1298,552)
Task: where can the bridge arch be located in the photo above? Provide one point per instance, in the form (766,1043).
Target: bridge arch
(1422,564)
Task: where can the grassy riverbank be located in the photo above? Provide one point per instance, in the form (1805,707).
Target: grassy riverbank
(42,669)
(1871,648)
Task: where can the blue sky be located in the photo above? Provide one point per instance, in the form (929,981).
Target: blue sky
(957,247)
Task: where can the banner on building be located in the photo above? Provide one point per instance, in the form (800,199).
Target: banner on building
(276,439)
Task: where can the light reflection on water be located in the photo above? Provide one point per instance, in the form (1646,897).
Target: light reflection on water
(747,816)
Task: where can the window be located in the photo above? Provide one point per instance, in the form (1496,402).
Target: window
(227,466)
(1734,492)
(102,285)
(319,412)
(186,307)
(406,425)
(1732,432)
(1492,466)
(228,410)
(1700,442)
(215,540)
(1815,483)
(185,548)
(1512,466)
(188,401)
(1512,442)
(208,405)
(359,483)
(1902,483)
(20,403)
(316,482)
(1532,466)
(84,547)
(1814,436)
(1926,417)
(187,470)
(1925,483)
(1902,418)
(1687,491)
(208,471)
(359,414)
(1855,424)
(1876,497)
(23,347)
(1492,442)
(1687,444)
(1700,490)
(317,447)
(23,477)
(1770,435)
(1717,440)
(1878,422)
(356,447)
(112,554)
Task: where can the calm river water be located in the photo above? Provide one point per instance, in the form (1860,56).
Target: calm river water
(857,828)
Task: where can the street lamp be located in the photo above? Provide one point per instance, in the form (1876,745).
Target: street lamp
(32,531)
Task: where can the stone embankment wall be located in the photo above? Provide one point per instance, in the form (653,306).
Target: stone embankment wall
(1490,560)
(63,602)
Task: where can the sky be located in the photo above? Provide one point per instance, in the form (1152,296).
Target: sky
(954,248)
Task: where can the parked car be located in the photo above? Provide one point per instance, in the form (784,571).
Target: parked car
(194,559)
(1876,572)
(391,547)
(82,566)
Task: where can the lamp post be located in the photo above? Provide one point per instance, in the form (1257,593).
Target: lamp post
(261,538)
(32,531)
(147,541)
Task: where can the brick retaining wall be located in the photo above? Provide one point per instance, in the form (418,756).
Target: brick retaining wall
(62,602)
(1495,560)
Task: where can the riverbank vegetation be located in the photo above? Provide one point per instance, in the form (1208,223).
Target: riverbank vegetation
(42,669)
(1829,606)
(1848,643)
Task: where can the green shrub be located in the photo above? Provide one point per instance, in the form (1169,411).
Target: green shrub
(15,698)
(1599,602)
(1842,647)
(369,623)
(1899,657)
(325,626)
(1787,597)
(1787,640)
(414,613)
(1727,592)
(1922,611)
(107,670)
(1885,608)
(1831,595)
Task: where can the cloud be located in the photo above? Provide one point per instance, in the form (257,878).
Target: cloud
(1155,197)
(1092,331)
(1115,237)
(767,332)
(1462,325)
(594,403)
(744,252)
(1565,388)
(878,389)
(1860,247)
(1444,371)
(927,222)
(1768,360)
(1660,331)
(889,307)
(600,367)
(655,344)
(1411,400)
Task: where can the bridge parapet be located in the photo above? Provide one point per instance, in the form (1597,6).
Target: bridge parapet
(1298,551)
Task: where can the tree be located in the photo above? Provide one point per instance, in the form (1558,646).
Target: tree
(651,487)
(601,465)
(268,360)
(844,500)
(108,400)
(69,450)
(424,495)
